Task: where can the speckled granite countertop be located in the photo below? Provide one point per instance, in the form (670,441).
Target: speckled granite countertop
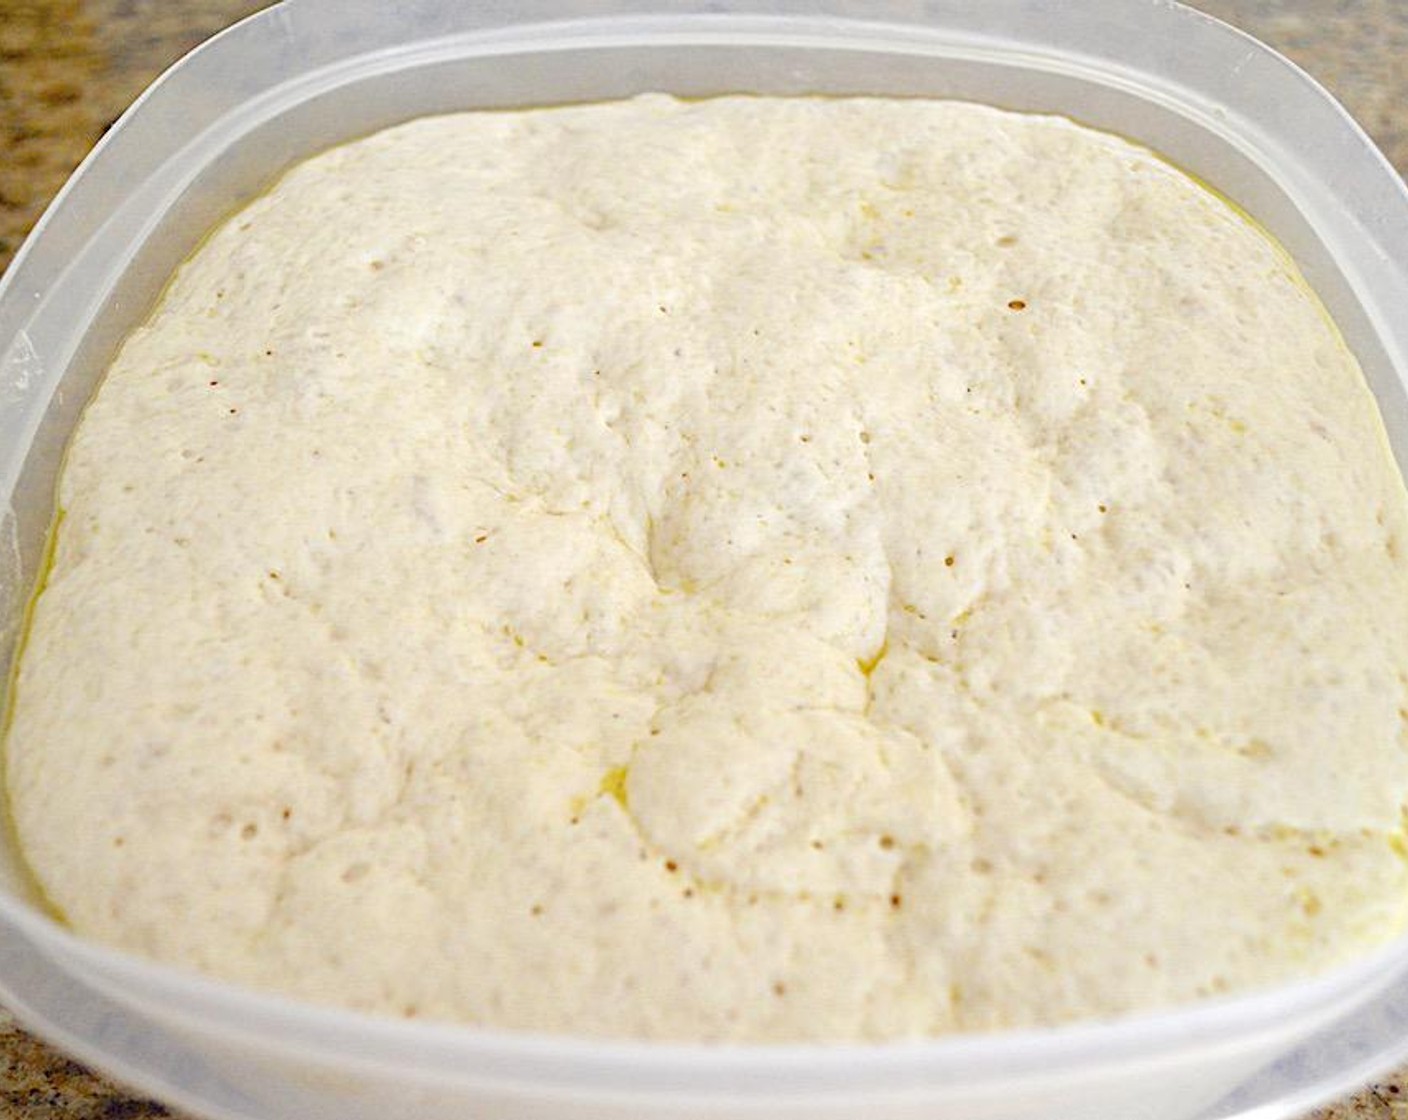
(69,67)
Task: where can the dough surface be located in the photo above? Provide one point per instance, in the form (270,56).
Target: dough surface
(755,569)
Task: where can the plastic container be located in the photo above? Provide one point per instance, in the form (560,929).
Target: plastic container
(306,74)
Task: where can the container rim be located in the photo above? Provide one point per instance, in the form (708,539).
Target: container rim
(371,41)
(437,1049)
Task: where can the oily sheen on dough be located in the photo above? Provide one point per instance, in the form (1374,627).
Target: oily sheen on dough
(752,569)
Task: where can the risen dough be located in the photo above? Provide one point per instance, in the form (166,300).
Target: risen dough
(755,569)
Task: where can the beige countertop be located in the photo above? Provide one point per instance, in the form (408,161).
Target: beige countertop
(69,67)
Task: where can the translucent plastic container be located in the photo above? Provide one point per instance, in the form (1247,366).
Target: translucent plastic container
(307,74)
